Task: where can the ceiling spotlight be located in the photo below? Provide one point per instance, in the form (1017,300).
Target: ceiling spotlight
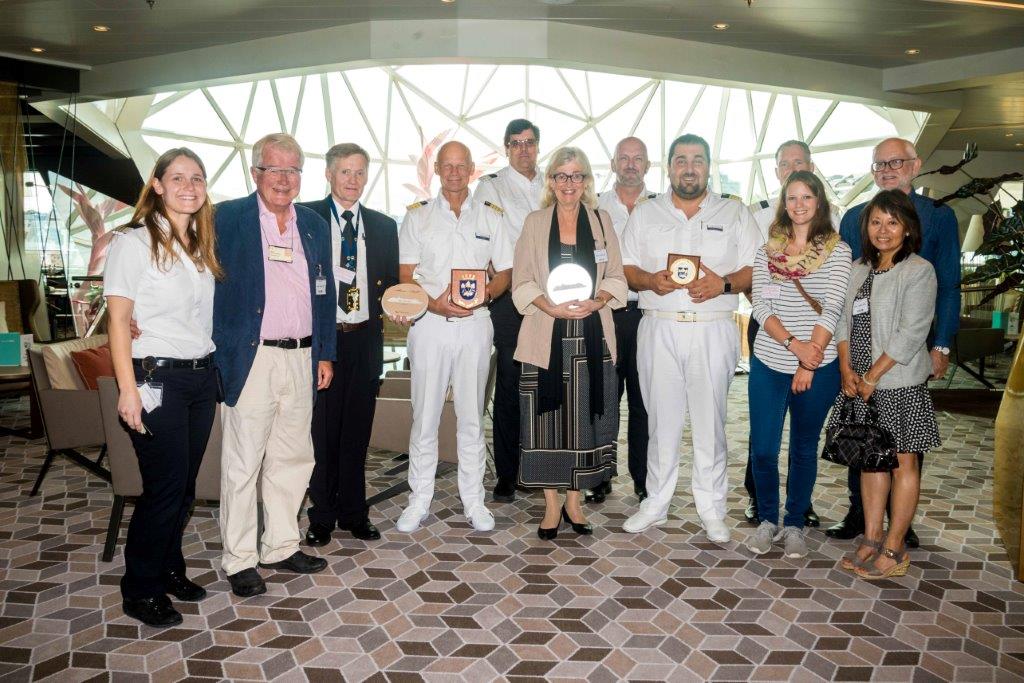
(1018,144)
(447,2)
(37,50)
(721,26)
(912,51)
(100,28)
(1009,135)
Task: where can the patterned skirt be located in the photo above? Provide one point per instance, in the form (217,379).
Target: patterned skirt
(907,413)
(563,448)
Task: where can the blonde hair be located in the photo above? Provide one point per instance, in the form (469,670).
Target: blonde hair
(281,141)
(561,157)
(201,247)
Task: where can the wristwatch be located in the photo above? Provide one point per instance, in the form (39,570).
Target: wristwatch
(944,350)
(728,286)
(788,341)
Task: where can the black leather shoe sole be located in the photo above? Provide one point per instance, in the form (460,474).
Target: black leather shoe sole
(547,534)
(364,531)
(156,612)
(247,583)
(594,497)
(845,530)
(318,535)
(811,518)
(180,587)
(300,563)
(504,492)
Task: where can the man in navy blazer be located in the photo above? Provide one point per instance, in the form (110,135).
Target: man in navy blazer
(364,252)
(273,324)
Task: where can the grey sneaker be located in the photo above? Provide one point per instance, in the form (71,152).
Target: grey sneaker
(760,541)
(793,540)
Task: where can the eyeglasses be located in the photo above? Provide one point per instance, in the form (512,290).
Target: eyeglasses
(894,164)
(563,178)
(528,143)
(279,172)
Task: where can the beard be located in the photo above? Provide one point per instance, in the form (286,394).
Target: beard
(689,190)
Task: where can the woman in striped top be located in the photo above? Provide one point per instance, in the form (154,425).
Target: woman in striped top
(799,289)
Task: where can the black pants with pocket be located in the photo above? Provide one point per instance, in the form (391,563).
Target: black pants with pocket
(627,322)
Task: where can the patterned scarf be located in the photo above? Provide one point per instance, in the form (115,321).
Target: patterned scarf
(784,267)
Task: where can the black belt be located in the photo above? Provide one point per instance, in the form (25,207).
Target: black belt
(152,362)
(303,343)
(352,327)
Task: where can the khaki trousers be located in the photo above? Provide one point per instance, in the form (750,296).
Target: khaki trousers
(267,443)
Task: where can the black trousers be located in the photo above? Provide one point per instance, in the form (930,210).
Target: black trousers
(627,321)
(342,421)
(506,321)
(169,461)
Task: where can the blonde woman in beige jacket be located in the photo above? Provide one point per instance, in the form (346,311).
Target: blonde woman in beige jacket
(568,388)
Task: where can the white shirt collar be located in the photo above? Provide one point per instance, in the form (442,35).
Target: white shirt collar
(341,209)
(443,201)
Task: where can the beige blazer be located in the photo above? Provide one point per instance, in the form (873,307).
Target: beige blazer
(530,273)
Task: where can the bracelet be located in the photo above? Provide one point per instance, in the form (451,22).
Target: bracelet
(867,381)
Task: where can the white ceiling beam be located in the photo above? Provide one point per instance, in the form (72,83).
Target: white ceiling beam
(972,71)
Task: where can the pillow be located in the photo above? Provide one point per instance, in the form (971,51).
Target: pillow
(60,369)
(93,363)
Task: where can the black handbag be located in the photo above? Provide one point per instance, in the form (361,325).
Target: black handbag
(866,446)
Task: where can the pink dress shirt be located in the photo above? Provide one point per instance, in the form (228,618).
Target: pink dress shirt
(287,313)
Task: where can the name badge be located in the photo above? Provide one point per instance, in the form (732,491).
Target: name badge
(280,254)
(860,306)
(321,285)
(715,228)
(772,291)
(486,238)
(151,395)
(344,275)
(600,256)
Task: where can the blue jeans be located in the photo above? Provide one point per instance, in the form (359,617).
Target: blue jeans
(770,391)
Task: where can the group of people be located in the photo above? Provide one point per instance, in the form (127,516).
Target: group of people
(273,308)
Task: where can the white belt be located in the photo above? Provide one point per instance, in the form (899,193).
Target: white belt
(690,316)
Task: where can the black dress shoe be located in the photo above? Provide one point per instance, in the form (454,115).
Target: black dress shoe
(504,491)
(156,611)
(811,518)
(911,540)
(318,534)
(598,494)
(851,526)
(641,493)
(583,529)
(298,562)
(547,534)
(364,530)
(247,583)
(750,514)
(178,585)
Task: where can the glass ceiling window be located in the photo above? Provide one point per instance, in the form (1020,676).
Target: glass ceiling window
(400,114)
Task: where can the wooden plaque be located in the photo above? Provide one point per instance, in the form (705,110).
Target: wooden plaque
(684,268)
(404,301)
(469,287)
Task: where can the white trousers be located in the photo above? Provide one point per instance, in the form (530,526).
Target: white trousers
(685,370)
(443,352)
(267,443)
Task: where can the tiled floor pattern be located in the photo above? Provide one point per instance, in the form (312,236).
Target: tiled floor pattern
(447,603)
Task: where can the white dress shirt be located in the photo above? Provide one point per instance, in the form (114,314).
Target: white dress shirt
(516,194)
(337,226)
(722,233)
(173,304)
(610,202)
(436,240)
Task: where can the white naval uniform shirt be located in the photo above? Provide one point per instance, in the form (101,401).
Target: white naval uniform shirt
(764,214)
(437,241)
(514,193)
(722,233)
(173,305)
(610,202)
(337,225)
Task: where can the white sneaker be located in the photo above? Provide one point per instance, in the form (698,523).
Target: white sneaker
(716,530)
(481,518)
(411,519)
(641,521)
(793,540)
(761,540)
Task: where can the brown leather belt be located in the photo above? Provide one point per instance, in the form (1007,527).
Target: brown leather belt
(352,327)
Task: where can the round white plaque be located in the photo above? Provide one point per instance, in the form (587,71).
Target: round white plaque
(569,282)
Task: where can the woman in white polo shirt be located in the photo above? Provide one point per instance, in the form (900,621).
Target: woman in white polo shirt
(160,271)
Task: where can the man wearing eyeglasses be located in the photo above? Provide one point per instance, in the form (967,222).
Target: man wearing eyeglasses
(894,165)
(273,324)
(364,249)
(516,189)
(688,344)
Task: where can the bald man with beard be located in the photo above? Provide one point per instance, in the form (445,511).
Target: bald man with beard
(450,344)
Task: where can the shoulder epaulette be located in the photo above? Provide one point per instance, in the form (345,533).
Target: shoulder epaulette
(643,198)
(726,195)
(764,203)
(494,206)
(416,205)
(652,195)
(489,175)
(599,194)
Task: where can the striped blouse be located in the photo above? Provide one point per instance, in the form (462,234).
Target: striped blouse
(782,299)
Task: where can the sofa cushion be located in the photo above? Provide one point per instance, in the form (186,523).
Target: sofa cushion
(60,368)
(92,364)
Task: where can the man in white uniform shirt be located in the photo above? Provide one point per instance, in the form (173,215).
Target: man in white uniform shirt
(449,344)
(688,345)
(516,189)
(630,164)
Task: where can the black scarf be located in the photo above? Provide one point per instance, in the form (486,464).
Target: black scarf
(550,394)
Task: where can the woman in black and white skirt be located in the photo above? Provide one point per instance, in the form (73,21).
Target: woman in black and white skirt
(568,389)
(883,353)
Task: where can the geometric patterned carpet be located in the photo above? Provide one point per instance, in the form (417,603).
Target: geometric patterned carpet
(447,603)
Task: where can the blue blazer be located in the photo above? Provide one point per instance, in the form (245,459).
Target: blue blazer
(239,297)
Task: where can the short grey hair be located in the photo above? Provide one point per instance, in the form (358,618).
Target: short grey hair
(281,141)
(343,150)
(561,157)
